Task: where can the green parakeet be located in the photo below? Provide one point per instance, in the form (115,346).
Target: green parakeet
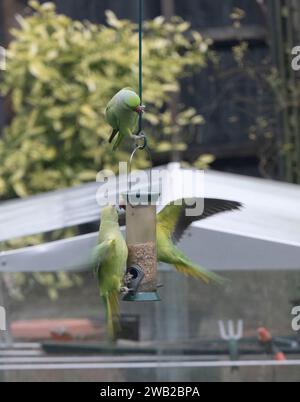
(172,223)
(109,261)
(122,114)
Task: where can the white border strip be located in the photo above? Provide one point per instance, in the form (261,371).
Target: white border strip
(154,365)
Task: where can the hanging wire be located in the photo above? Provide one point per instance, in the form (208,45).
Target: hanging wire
(141,134)
(141,15)
(144,144)
(141,140)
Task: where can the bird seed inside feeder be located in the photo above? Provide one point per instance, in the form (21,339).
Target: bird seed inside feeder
(144,255)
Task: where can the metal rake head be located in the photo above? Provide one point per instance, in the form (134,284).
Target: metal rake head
(230,332)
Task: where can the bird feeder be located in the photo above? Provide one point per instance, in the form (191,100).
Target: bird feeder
(141,273)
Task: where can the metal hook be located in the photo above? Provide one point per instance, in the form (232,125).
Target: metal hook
(143,147)
(139,137)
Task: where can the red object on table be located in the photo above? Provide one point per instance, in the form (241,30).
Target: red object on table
(265,337)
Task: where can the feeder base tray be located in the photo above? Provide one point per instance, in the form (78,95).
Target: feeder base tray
(142,296)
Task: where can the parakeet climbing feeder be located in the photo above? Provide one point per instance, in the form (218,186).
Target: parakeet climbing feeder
(141,273)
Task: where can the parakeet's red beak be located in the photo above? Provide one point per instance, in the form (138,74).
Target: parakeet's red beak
(140,109)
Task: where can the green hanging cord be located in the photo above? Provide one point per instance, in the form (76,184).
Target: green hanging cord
(141,14)
(141,135)
(140,128)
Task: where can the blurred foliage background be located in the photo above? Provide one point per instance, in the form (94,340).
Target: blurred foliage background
(61,74)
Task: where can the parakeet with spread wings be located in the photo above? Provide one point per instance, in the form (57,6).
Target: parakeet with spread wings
(172,222)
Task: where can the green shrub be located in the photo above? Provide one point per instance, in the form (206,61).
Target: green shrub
(61,74)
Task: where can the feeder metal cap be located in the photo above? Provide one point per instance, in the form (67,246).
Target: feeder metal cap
(137,197)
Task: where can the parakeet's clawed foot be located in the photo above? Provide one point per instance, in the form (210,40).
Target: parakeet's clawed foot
(140,136)
(124,290)
(140,109)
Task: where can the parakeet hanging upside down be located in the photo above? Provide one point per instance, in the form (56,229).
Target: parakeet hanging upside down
(122,114)
(109,262)
(171,225)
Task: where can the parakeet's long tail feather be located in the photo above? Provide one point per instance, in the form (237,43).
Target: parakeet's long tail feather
(113,134)
(112,308)
(118,141)
(189,268)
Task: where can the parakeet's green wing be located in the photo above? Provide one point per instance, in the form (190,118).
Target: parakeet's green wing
(121,135)
(174,220)
(99,254)
(125,129)
(111,117)
(112,120)
(109,261)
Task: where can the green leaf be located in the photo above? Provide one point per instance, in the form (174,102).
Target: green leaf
(40,71)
